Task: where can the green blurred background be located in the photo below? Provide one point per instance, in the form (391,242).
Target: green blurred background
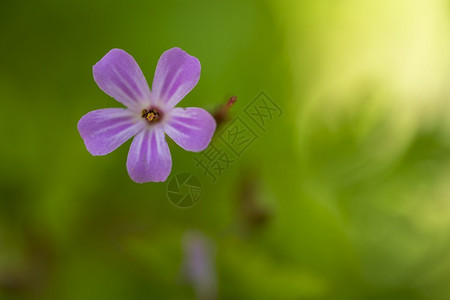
(346,196)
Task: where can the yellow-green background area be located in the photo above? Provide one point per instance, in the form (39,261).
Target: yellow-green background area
(345,196)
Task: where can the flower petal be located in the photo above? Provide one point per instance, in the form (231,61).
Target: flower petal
(119,76)
(149,157)
(191,128)
(177,73)
(104,130)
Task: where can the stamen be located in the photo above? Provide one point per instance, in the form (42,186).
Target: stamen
(151,115)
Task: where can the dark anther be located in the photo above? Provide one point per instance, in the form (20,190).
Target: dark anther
(152,115)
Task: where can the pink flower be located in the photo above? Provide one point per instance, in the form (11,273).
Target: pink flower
(149,115)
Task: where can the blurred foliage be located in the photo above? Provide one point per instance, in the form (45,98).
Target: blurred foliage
(346,196)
